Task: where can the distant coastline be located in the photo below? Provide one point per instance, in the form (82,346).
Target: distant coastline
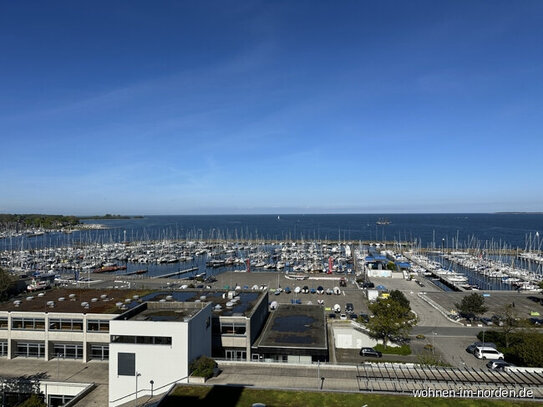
(519,213)
(109,216)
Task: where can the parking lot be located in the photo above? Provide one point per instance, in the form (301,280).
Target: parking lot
(448,338)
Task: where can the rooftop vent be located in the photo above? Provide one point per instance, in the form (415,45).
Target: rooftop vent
(41,294)
(17,303)
(85,304)
(29,298)
(72,297)
(94,299)
(60,299)
(103,296)
(51,304)
(119,304)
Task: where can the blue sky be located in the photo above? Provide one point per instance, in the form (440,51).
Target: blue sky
(179,107)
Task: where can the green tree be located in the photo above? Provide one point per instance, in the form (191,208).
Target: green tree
(391,266)
(529,348)
(509,322)
(400,298)
(6,280)
(390,320)
(203,367)
(472,305)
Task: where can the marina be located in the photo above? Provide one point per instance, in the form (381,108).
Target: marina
(442,249)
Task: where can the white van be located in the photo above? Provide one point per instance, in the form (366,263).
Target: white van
(485,352)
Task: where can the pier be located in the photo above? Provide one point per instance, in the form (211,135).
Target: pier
(176,273)
(131,273)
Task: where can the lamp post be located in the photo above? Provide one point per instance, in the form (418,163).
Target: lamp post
(152,382)
(138,374)
(434,334)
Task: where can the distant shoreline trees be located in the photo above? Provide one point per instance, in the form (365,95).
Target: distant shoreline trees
(29,221)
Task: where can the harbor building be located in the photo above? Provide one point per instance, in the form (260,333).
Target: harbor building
(155,343)
(143,335)
(294,334)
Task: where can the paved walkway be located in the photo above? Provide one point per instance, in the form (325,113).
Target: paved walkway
(64,371)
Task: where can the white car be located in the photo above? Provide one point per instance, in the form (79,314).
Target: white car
(343,317)
(485,352)
(297,290)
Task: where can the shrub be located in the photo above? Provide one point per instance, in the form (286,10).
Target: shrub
(203,367)
(397,350)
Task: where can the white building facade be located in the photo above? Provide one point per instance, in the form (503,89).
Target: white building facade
(152,346)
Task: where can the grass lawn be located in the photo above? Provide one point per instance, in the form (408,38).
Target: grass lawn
(227,396)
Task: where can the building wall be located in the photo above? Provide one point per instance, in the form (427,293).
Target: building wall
(200,334)
(164,364)
(257,321)
(48,336)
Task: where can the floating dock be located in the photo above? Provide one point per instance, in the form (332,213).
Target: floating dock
(176,273)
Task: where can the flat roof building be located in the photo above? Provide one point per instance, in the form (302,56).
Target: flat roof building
(294,333)
(156,341)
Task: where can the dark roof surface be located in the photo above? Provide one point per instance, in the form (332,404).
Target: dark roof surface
(299,326)
(242,305)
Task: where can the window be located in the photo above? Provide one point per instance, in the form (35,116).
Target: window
(126,364)
(68,350)
(3,348)
(30,349)
(98,325)
(100,352)
(142,340)
(59,400)
(233,328)
(4,323)
(65,324)
(37,324)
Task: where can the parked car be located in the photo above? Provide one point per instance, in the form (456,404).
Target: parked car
(297,290)
(287,290)
(349,308)
(497,319)
(487,321)
(332,316)
(343,317)
(353,316)
(370,352)
(320,289)
(485,352)
(498,364)
(368,284)
(305,290)
(471,348)
(312,290)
